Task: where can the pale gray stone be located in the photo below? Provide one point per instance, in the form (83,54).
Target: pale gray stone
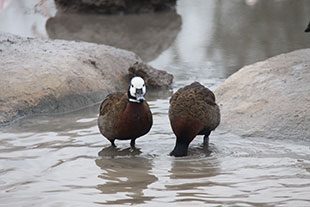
(269,98)
(56,76)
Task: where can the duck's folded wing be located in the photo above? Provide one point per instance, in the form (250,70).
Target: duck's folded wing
(109,101)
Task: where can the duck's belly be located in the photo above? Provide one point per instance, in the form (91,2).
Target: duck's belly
(134,122)
(133,127)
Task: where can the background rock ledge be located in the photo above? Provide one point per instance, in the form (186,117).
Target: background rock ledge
(56,76)
(269,98)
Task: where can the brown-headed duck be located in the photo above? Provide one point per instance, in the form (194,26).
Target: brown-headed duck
(192,112)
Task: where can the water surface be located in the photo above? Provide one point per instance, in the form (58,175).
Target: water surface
(54,160)
(62,160)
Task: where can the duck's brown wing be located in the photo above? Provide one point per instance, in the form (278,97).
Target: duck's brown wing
(195,102)
(203,92)
(110,101)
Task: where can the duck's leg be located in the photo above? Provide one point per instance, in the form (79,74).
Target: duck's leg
(112,142)
(206,140)
(133,143)
(180,148)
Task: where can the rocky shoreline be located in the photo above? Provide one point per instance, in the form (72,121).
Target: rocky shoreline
(268,99)
(56,76)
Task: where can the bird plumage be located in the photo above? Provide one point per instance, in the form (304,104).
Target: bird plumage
(120,118)
(192,111)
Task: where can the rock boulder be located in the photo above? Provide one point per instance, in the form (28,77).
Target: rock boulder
(269,98)
(44,76)
(153,78)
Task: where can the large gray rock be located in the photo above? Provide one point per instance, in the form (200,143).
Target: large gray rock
(269,98)
(43,76)
(115,6)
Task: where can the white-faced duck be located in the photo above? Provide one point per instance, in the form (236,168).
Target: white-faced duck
(192,112)
(126,116)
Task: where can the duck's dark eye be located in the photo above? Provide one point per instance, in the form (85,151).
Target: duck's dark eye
(131,85)
(143,85)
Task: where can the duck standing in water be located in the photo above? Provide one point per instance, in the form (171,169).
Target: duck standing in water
(192,112)
(125,116)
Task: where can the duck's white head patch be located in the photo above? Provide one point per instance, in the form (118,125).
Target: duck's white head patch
(137,90)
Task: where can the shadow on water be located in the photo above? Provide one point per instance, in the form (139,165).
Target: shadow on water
(148,35)
(125,175)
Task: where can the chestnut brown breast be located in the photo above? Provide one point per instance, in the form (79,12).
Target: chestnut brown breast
(135,121)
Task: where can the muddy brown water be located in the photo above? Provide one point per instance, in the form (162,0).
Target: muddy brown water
(62,160)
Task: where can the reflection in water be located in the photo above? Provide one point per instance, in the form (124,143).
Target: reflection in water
(220,37)
(194,168)
(244,35)
(115,7)
(26,18)
(190,177)
(148,35)
(112,152)
(125,178)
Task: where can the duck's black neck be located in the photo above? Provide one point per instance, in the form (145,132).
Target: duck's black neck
(131,98)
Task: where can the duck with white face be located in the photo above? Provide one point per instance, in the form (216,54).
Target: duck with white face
(126,116)
(137,90)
